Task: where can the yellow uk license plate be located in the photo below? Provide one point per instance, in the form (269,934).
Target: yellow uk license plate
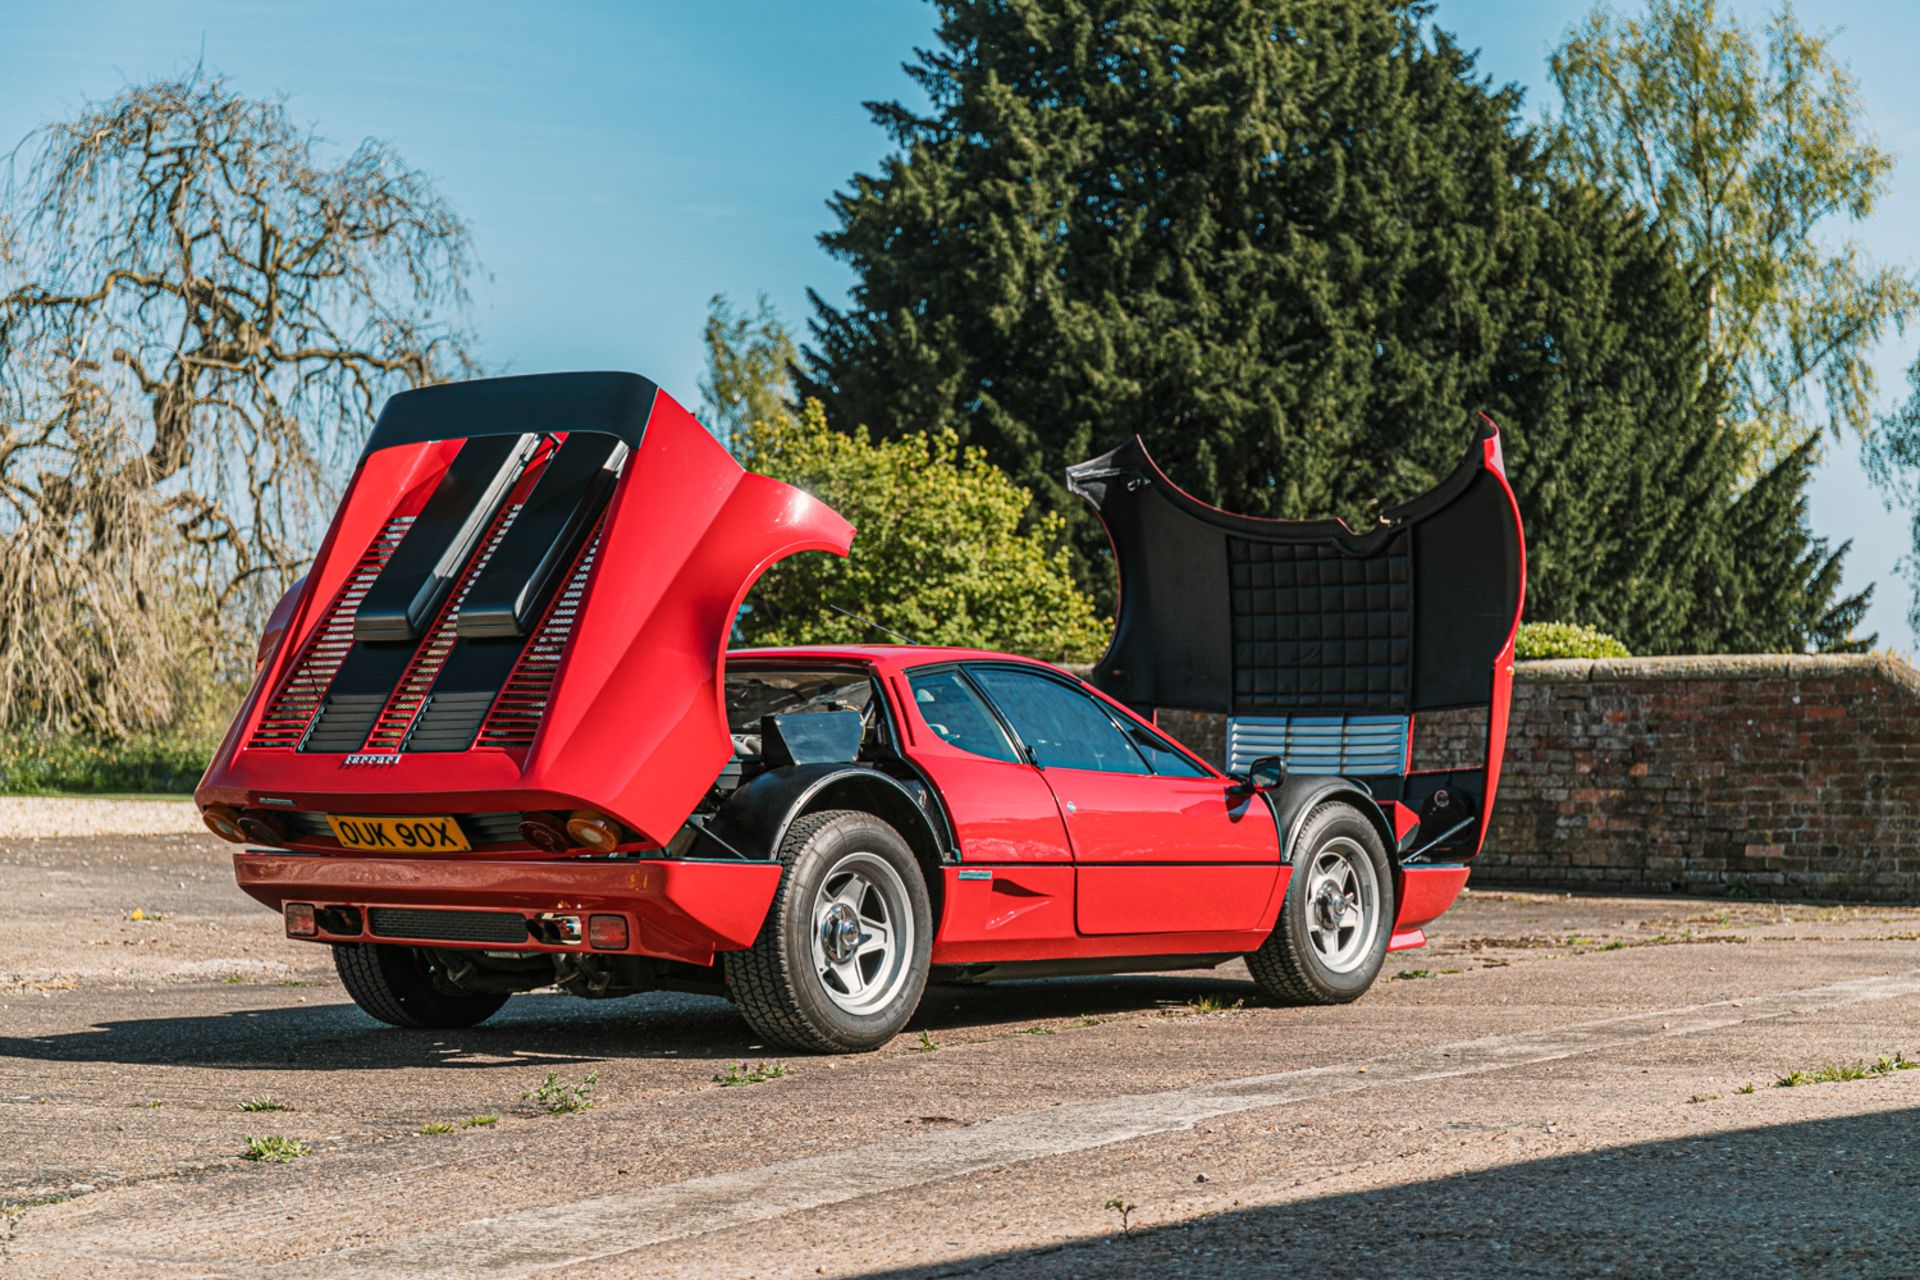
(400,835)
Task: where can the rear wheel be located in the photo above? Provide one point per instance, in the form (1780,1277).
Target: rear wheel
(842,958)
(407,987)
(1331,938)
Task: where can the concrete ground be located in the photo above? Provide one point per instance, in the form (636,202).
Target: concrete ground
(1557,1086)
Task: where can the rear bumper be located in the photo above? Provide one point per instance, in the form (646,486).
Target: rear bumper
(676,909)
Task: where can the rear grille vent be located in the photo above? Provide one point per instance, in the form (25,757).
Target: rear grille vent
(447,926)
(342,722)
(516,713)
(409,698)
(292,710)
(492,828)
(448,721)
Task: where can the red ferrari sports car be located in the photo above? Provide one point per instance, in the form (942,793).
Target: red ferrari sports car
(497,741)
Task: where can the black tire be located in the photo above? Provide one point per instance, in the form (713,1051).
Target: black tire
(779,983)
(398,986)
(1293,965)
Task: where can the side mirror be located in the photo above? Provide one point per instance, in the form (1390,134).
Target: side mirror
(1264,774)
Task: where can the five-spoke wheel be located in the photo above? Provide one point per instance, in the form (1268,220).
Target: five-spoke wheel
(863,932)
(1332,935)
(842,957)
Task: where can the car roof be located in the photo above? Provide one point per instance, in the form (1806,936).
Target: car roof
(887,657)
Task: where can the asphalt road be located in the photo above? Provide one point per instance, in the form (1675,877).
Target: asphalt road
(1557,1086)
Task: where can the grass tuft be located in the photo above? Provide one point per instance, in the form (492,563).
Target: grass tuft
(1836,1072)
(275,1150)
(736,1076)
(485,1121)
(1213,1004)
(436,1126)
(557,1097)
(264,1104)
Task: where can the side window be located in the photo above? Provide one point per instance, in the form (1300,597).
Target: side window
(1065,728)
(954,711)
(1166,762)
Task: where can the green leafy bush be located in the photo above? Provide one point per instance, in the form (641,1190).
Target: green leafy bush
(947,552)
(1565,640)
(34,762)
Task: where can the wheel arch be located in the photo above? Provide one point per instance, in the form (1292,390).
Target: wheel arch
(1295,798)
(756,818)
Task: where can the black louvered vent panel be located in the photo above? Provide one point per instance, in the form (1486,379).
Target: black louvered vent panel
(448,721)
(395,722)
(1313,627)
(292,710)
(515,716)
(343,722)
(447,926)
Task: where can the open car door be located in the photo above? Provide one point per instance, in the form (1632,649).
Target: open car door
(1322,645)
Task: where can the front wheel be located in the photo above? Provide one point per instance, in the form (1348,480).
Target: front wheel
(1331,938)
(407,987)
(842,958)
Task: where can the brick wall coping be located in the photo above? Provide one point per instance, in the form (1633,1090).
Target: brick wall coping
(1705,666)
(1722,666)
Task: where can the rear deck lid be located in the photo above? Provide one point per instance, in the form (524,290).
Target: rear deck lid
(547,567)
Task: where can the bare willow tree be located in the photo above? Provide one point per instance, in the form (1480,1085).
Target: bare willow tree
(201,312)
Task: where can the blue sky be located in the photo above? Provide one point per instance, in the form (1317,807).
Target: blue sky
(621,163)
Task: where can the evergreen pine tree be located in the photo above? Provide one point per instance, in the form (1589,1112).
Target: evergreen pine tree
(1291,245)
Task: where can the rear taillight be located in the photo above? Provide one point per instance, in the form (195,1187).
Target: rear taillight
(589,830)
(262,828)
(300,921)
(545,831)
(224,822)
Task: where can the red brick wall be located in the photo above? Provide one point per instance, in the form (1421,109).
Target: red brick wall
(1794,777)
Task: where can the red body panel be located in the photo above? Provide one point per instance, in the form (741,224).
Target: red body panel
(1166,855)
(1501,703)
(1001,813)
(1426,893)
(680,910)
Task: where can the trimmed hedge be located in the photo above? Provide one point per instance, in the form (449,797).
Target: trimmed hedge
(33,762)
(1565,640)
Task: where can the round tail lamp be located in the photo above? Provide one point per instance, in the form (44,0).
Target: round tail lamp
(589,830)
(262,828)
(224,821)
(546,832)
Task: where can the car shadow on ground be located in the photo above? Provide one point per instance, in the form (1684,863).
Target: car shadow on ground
(1814,1198)
(556,1029)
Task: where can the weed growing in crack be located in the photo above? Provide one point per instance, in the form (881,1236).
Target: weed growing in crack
(557,1097)
(736,1076)
(275,1150)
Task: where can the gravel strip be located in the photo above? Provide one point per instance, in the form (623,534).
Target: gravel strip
(32,817)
